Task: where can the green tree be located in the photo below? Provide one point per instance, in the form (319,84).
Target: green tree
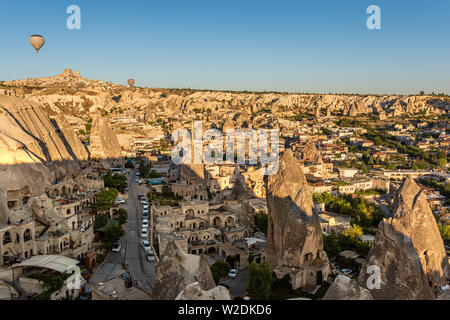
(114,233)
(219,270)
(331,245)
(116,181)
(354,232)
(261,222)
(129,164)
(100,221)
(105,199)
(445,233)
(123,216)
(260,280)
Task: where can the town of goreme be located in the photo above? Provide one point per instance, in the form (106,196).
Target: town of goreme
(90,195)
(116,190)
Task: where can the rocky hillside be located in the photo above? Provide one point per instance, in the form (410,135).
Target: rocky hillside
(414,213)
(32,152)
(408,249)
(177,270)
(293,227)
(36,152)
(74,95)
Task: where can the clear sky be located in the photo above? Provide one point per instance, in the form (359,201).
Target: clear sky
(296,46)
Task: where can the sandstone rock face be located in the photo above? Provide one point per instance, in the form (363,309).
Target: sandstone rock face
(412,210)
(401,273)
(29,120)
(103,141)
(32,156)
(309,153)
(177,270)
(194,292)
(71,139)
(294,230)
(344,288)
(88,95)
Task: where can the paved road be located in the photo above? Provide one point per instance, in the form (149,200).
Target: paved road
(142,271)
(110,269)
(238,286)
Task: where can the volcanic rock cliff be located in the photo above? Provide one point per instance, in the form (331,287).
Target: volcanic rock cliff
(71,140)
(177,270)
(401,273)
(344,288)
(412,210)
(194,292)
(408,249)
(32,155)
(103,141)
(293,228)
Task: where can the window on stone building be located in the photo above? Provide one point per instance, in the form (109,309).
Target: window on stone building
(27,235)
(6,238)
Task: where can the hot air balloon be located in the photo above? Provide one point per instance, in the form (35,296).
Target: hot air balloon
(37,41)
(131,82)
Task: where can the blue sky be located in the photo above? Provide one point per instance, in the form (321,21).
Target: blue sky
(296,46)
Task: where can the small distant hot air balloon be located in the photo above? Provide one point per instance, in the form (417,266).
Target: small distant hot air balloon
(37,41)
(131,82)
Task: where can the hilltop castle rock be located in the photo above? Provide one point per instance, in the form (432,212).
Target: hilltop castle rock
(177,270)
(294,237)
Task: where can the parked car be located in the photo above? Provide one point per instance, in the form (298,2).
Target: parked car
(232,274)
(151,257)
(145,212)
(126,277)
(120,200)
(145,206)
(147,247)
(145,224)
(86,295)
(144,233)
(116,247)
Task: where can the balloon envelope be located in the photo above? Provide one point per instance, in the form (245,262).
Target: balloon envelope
(131,82)
(37,41)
